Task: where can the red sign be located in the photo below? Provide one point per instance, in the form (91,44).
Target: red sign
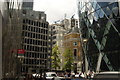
(21,51)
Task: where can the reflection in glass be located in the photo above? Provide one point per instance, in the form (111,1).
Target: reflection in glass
(106,11)
(103,4)
(95,16)
(90,17)
(94,5)
(115,11)
(101,15)
(98,11)
(97,7)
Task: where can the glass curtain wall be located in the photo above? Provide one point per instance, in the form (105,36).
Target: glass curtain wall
(99,24)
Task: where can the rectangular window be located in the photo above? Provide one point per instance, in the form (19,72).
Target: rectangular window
(23,27)
(75,52)
(23,20)
(23,33)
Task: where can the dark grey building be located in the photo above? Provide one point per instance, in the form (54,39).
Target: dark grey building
(34,41)
(26,47)
(99,26)
(27,4)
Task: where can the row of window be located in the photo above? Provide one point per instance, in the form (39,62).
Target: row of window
(34,61)
(34,35)
(35,48)
(68,44)
(35,23)
(34,29)
(35,42)
(25,68)
(35,55)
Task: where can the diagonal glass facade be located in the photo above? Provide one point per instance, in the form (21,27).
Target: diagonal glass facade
(99,24)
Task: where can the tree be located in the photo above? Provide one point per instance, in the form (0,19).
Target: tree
(68,59)
(55,57)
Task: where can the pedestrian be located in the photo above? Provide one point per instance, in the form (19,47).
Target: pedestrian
(66,75)
(69,74)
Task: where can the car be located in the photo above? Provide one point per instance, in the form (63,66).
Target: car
(111,75)
(50,75)
(36,75)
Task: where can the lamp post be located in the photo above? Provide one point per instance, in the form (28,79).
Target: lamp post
(44,64)
(85,57)
(49,62)
(21,62)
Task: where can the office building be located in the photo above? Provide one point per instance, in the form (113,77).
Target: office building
(34,41)
(24,40)
(69,23)
(28,46)
(27,4)
(58,38)
(100,34)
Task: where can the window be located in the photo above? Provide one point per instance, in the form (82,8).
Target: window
(75,43)
(75,52)
(39,16)
(33,35)
(23,20)
(28,34)
(23,27)
(28,47)
(23,33)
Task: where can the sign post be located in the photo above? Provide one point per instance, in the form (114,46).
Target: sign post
(20,52)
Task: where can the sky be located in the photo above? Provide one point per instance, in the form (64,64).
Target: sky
(56,9)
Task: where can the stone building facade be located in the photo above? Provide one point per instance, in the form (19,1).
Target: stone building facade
(59,39)
(72,42)
(61,30)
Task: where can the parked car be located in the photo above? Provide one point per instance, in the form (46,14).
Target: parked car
(36,75)
(107,75)
(50,75)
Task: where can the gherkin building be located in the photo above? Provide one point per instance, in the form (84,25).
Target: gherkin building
(100,34)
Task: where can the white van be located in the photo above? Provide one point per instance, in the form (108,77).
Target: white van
(50,75)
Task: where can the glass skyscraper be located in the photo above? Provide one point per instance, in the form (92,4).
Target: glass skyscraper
(100,34)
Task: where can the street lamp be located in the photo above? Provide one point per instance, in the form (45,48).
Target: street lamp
(85,40)
(49,62)
(43,63)
(85,52)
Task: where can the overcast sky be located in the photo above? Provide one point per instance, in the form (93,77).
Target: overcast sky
(56,9)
